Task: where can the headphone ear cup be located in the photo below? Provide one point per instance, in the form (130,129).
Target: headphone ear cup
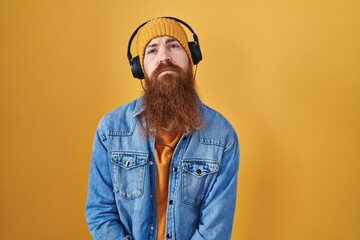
(136,68)
(195,52)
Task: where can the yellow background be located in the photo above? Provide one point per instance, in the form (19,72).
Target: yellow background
(285,73)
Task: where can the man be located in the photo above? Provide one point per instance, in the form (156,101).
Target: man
(165,165)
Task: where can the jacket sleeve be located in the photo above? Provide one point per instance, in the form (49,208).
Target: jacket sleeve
(102,216)
(217,212)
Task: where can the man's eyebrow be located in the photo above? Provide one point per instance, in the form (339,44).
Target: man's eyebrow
(169,40)
(152,45)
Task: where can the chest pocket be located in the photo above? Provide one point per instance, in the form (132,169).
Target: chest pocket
(128,174)
(197,176)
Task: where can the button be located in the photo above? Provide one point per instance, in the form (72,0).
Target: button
(168,235)
(174,169)
(171,202)
(198,171)
(152,228)
(151,162)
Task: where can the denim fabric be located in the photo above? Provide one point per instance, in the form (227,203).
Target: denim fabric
(121,201)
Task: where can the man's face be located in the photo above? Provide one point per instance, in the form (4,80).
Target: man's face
(162,50)
(170,97)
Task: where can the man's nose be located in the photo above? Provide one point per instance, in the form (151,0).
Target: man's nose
(164,56)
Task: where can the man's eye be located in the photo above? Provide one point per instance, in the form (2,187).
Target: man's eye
(150,51)
(173,46)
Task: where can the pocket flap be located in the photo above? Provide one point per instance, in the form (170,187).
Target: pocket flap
(200,168)
(128,160)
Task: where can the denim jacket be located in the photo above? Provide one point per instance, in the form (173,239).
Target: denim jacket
(121,201)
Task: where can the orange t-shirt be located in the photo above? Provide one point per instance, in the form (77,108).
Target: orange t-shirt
(164,146)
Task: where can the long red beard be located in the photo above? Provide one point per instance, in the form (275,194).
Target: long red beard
(171,101)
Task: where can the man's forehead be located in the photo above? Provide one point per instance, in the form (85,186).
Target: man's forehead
(157,40)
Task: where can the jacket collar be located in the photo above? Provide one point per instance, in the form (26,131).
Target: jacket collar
(139,107)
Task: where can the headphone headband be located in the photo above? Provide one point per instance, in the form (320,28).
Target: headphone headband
(135,63)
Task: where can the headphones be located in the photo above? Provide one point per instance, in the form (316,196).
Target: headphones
(135,62)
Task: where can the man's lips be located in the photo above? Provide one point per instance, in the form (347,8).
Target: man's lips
(167,70)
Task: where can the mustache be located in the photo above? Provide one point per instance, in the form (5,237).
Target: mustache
(166,66)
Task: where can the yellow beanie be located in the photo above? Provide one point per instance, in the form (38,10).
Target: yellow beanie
(160,27)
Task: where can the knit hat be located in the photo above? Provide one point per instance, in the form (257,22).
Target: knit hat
(160,27)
